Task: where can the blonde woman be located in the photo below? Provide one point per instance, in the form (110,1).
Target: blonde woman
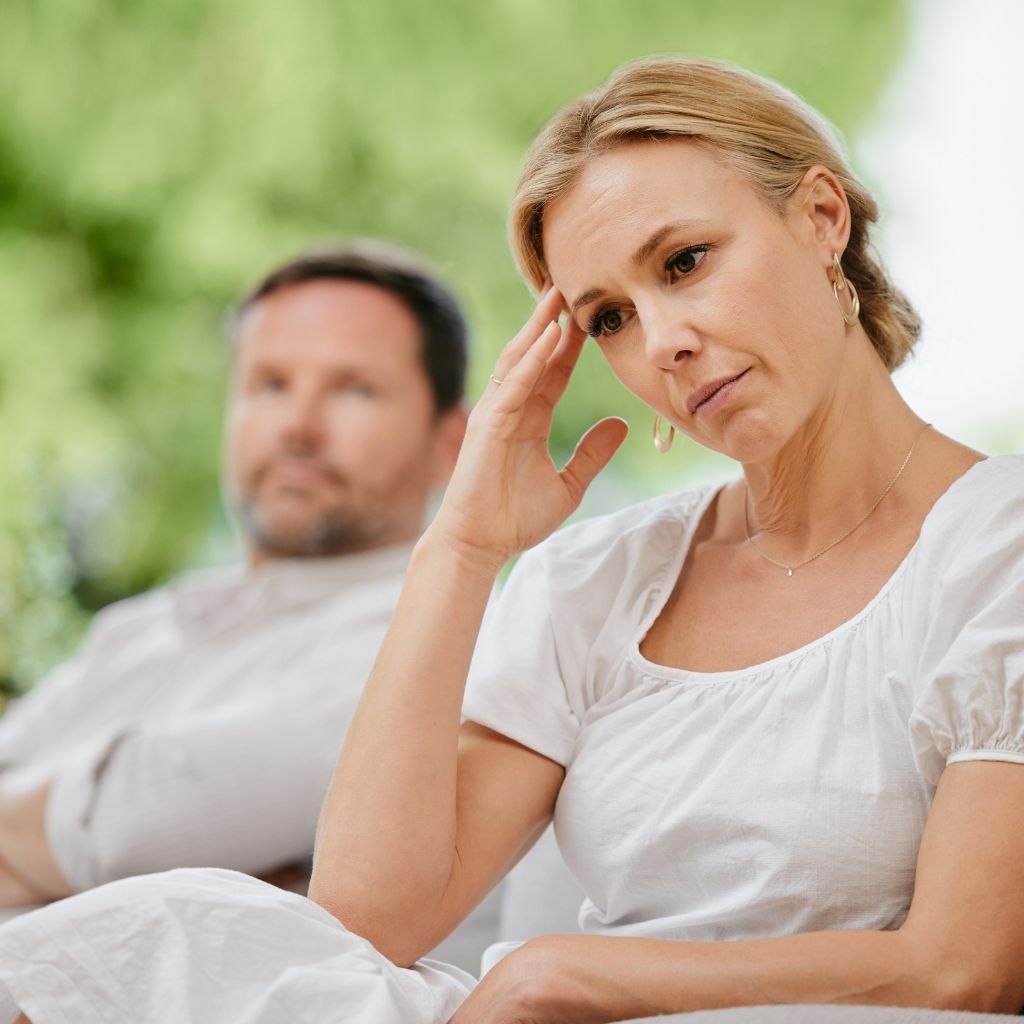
(787,713)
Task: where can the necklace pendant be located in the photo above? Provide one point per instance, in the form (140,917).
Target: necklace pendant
(789,572)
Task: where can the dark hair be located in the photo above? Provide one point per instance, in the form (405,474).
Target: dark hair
(443,328)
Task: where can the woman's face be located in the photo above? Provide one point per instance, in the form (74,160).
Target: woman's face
(712,308)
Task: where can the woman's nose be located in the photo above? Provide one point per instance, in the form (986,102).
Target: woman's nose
(668,338)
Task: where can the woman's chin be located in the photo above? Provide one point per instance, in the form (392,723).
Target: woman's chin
(747,437)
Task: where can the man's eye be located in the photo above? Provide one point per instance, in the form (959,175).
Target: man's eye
(686,261)
(270,383)
(358,388)
(605,323)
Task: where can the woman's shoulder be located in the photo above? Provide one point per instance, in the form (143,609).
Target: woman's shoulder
(986,500)
(971,544)
(646,531)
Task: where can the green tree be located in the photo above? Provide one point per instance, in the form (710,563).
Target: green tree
(155,158)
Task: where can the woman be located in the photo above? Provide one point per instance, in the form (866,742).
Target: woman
(788,712)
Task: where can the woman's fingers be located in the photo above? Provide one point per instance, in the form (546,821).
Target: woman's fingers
(547,310)
(520,380)
(562,362)
(593,453)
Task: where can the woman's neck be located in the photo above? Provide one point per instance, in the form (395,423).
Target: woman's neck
(834,469)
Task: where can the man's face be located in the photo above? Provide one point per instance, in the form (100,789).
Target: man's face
(333,444)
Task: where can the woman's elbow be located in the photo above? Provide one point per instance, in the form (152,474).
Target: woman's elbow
(394,935)
(973,986)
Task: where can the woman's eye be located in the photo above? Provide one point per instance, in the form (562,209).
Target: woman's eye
(686,261)
(605,323)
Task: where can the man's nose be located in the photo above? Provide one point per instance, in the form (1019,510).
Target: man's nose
(303,419)
(669,337)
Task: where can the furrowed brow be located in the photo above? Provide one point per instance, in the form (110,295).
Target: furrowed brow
(587,296)
(642,254)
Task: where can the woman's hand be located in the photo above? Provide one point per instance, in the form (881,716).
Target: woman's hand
(506,493)
(515,991)
(563,979)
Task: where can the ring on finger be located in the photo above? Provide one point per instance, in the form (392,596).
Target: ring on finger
(495,379)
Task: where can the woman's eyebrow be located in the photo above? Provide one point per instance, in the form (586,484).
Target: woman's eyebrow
(643,253)
(587,296)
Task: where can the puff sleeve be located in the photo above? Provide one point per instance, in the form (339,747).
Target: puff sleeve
(969,704)
(516,685)
(550,645)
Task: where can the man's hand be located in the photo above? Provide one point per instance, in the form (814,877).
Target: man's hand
(13,891)
(24,850)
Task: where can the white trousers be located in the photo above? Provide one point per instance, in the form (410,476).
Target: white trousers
(205,946)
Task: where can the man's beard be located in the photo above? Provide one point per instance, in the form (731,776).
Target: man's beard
(336,530)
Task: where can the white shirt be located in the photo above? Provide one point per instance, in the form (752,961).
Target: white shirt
(785,797)
(200,722)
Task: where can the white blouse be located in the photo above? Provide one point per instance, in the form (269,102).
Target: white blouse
(786,797)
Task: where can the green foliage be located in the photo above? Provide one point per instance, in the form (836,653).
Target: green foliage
(157,157)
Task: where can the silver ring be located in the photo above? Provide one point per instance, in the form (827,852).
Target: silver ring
(495,379)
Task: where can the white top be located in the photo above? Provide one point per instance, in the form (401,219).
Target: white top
(785,797)
(200,722)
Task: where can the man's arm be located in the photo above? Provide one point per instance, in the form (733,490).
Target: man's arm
(30,872)
(228,788)
(961,946)
(14,892)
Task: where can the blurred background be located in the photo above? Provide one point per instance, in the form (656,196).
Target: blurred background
(156,159)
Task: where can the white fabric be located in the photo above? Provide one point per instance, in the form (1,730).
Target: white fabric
(210,946)
(786,797)
(777,799)
(201,721)
(540,896)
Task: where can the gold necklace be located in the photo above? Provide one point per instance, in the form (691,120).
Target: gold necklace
(790,569)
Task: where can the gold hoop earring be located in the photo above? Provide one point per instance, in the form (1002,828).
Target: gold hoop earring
(661,442)
(839,283)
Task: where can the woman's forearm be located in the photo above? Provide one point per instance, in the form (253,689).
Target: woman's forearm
(822,967)
(386,838)
(594,979)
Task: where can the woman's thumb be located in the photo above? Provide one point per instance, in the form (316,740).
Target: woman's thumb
(593,453)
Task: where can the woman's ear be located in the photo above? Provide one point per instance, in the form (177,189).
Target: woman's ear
(822,212)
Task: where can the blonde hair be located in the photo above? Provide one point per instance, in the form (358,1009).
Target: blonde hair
(760,128)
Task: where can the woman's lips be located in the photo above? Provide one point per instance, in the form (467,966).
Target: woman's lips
(709,397)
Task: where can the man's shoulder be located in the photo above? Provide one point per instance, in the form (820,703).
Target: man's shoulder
(160,601)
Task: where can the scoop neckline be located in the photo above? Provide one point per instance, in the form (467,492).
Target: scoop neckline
(666,580)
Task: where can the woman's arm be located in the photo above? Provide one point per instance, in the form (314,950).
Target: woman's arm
(961,947)
(415,830)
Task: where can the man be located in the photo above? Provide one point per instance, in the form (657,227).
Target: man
(200,722)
